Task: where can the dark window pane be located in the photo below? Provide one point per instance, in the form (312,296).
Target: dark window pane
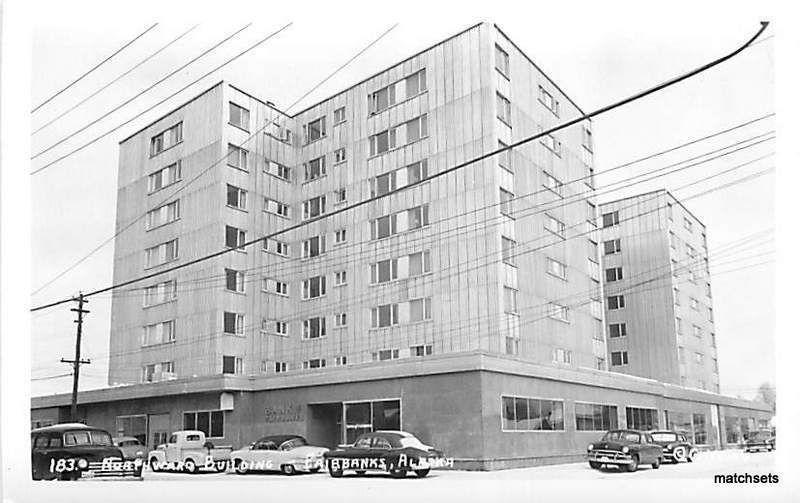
(217,419)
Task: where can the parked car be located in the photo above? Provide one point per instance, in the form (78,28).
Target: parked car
(189,451)
(395,452)
(70,451)
(675,446)
(626,449)
(131,447)
(761,440)
(286,453)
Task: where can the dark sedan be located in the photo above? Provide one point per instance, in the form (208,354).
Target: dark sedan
(71,451)
(676,447)
(762,440)
(395,452)
(626,449)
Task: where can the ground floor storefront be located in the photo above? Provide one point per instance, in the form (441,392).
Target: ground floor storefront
(484,411)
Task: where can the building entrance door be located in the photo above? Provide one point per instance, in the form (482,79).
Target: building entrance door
(157,429)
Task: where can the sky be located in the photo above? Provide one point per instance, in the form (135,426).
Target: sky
(74,201)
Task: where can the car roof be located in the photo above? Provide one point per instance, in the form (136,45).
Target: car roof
(279,439)
(652,432)
(120,439)
(625,431)
(62,427)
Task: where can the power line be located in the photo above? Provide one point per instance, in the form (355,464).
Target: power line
(519,143)
(103,135)
(206,170)
(95,67)
(140,93)
(116,79)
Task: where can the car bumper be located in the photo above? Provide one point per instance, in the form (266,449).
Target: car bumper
(609,457)
(105,469)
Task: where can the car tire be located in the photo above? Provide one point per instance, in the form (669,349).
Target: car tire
(633,465)
(335,473)
(692,455)
(154,465)
(594,465)
(657,464)
(422,473)
(240,466)
(679,454)
(288,469)
(189,466)
(396,472)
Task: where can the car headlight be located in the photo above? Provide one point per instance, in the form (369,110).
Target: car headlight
(625,450)
(591,446)
(139,453)
(83,464)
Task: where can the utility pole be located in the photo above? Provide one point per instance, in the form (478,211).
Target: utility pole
(77,362)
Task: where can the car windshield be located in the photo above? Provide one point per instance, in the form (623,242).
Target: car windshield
(626,436)
(412,442)
(87,437)
(665,437)
(293,443)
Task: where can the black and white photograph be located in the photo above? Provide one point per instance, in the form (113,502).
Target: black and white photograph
(377,251)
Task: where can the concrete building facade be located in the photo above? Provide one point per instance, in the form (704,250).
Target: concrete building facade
(658,291)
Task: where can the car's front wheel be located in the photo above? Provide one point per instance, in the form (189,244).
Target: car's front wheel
(422,473)
(634,464)
(657,464)
(692,455)
(679,454)
(154,465)
(594,465)
(240,466)
(335,473)
(189,466)
(288,469)
(396,472)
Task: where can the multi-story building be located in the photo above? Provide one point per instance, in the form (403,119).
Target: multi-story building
(480,259)
(466,308)
(658,291)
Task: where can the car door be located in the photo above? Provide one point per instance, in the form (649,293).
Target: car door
(40,461)
(172,452)
(269,455)
(653,450)
(381,448)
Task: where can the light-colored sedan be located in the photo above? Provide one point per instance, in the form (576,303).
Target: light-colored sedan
(285,453)
(131,447)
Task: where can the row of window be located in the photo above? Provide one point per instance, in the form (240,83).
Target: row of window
(536,414)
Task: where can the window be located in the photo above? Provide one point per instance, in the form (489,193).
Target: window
(697,331)
(690,251)
(384,183)
(276,247)
(383,271)
(674,264)
(209,422)
(236,197)
(613,274)
(556,268)
(678,326)
(314,247)
(673,240)
(158,333)
(160,293)
(280,367)
(687,224)
(713,340)
(278,170)
(314,328)
(506,203)
(508,249)
(281,328)
(532,414)
(555,226)
(340,236)
(382,142)
(340,360)
(166,139)
(161,254)
(681,354)
(699,425)
(557,312)
(548,101)
(417,217)
(561,355)
(314,287)
(313,207)
(417,128)
(676,295)
(163,215)
(385,315)
(504,157)
(416,83)
(338,116)
(315,130)
(554,184)
(501,62)
(708,289)
(694,303)
(406,88)
(237,157)
(591,214)
(699,358)
(382,99)
(233,323)
(340,196)
(509,300)
(386,354)
(641,419)
(503,109)
(419,310)
(512,345)
(552,144)
(617,330)
(587,138)
(164,177)
(340,278)
(231,365)
(612,246)
(315,168)
(340,319)
(710,314)
(383,227)
(276,207)
(610,219)
(234,280)
(422,350)
(619,358)
(339,155)
(275,286)
(235,238)
(419,263)
(314,363)
(239,116)
(616,302)
(715,365)
(595,417)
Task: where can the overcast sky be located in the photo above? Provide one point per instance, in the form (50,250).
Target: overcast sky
(595,63)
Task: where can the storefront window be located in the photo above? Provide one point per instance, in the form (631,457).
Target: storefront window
(641,419)
(133,426)
(700,434)
(364,417)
